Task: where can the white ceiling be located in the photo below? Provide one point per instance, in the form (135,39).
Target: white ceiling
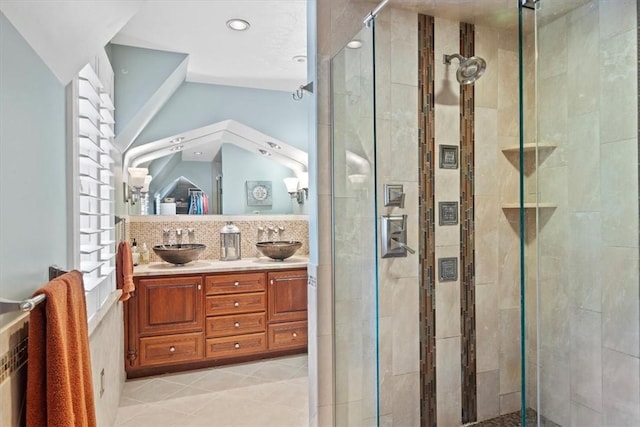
(259,57)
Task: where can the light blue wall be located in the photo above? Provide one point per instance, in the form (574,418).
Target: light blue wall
(200,173)
(195,105)
(138,74)
(238,167)
(33,214)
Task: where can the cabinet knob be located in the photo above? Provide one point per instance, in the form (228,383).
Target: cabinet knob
(236,345)
(236,283)
(237,324)
(236,304)
(172,349)
(199,287)
(295,334)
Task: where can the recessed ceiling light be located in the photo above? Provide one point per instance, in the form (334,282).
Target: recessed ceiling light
(273,145)
(177,140)
(198,153)
(177,148)
(238,24)
(354,44)
(264,152)
(299,58)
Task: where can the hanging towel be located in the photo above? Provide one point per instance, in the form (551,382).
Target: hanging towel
(59,383)
(124,270)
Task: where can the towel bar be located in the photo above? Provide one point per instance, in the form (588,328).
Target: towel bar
(7,305)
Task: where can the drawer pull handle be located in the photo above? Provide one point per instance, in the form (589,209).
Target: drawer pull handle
(172,349)
(236,283)
(236,345)
(237,324)
(236,304)
(295,334)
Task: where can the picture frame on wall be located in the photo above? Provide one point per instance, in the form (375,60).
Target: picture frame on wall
(259,193)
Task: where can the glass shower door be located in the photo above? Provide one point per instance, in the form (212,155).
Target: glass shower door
(587,353)
(354,233)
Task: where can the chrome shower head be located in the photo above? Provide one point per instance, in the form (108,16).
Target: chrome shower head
(469,70)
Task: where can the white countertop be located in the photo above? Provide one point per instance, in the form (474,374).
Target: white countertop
(215,266)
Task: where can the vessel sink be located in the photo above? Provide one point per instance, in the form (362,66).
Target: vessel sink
(280,249)
(180,253)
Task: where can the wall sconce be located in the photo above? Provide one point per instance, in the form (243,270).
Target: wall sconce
(298,188)
(137,180)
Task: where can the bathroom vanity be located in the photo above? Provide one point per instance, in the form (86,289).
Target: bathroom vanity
(210,313)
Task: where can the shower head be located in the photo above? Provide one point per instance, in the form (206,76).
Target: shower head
(469,70)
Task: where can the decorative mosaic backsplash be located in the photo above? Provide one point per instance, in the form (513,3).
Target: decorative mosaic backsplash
(206,230)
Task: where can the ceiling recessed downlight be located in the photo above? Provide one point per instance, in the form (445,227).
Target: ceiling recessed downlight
(198,153)
(274,145)
(299,58)
(264,152)
(177,140)
(238,24)
(177,148)
(354,44)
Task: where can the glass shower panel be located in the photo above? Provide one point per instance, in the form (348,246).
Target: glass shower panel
(586,357)
(354,233)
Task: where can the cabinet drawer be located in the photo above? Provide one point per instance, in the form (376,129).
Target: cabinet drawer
(287,335)
(232,304)
(236,346)
(169,349)
(222,326)
(234,283)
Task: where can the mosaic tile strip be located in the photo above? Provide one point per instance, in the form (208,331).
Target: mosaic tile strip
(467,246)
(426,66)
(208,233)
(13,360)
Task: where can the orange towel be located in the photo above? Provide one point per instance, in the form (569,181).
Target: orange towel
(59,382)
(124,270)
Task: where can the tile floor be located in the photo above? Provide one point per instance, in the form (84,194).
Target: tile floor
(270,393)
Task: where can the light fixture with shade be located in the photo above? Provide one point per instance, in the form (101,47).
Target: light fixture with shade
(137,181)
(298,187)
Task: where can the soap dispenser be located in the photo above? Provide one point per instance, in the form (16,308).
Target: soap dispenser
(229,242)
(135,255)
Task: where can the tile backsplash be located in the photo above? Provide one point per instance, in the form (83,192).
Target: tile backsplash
(148,229)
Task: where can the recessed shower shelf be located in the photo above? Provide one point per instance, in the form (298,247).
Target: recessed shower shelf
(529,205)
(530,146)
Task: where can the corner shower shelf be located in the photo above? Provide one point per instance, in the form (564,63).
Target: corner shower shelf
(530,146)
(529,205)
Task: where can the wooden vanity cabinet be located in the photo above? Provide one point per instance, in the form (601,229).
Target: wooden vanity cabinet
(164,322)
(186,322)
(287,312)
(236,307)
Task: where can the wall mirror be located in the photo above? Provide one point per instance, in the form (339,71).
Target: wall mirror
(214,109)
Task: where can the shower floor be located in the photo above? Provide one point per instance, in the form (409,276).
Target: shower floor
(513,420)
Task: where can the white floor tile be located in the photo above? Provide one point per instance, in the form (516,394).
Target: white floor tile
(271,393)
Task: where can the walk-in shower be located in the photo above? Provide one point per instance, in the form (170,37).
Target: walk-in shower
(520,306)
(469,69)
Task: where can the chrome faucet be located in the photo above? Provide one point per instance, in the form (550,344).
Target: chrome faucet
(179,236)
(166,235)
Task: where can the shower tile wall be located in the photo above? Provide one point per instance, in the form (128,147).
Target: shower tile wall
(497,240)
(589,297)
(397,141)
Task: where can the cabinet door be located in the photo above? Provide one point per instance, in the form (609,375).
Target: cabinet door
(287,295)
(170,305)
